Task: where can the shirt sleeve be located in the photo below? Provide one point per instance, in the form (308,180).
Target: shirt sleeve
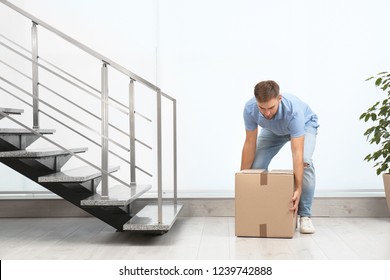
(250,123)
(297,125)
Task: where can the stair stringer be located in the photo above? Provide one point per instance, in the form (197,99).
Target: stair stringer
(72,192)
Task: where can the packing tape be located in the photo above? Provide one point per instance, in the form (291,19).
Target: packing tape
(263,230)
(263,178)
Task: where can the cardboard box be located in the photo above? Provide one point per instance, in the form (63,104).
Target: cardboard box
(263,202)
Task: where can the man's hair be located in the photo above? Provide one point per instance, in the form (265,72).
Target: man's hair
(266,90)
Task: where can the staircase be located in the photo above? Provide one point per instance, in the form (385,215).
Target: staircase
(92,187)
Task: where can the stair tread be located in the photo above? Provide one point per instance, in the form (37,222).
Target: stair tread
(80,174)
(119,195)
(36,153)
(25,131)
(147,218)
(11,110)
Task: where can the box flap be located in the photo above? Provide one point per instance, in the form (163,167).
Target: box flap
(281,171)
(252,171)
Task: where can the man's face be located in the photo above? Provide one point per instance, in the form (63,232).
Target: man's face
(268,109)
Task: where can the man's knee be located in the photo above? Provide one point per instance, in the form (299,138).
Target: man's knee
(307,162)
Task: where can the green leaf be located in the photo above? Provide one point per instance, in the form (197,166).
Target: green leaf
(376,155)
(378,81)
(373,107)
(368,157)
(369,131)
(384,111)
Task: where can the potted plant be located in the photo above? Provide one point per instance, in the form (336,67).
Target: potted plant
(379,132)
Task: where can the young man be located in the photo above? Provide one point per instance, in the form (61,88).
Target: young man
(282,118)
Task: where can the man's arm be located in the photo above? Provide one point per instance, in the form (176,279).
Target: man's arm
(297,145)
(249,149)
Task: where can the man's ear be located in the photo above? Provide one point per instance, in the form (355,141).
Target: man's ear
(280,97)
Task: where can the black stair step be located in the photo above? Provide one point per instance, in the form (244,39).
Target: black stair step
(146,220)
(81,174)
(19,139)
(42,159)
(77,192)
(10,111)
(119,196)
(17,131)
(81,179)
(40,153)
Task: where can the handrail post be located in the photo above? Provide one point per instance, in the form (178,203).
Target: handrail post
(174,153)
(159,158)
(132,131)
(104,113)
(35,81)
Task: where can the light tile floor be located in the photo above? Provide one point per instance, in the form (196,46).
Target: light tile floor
(191,238)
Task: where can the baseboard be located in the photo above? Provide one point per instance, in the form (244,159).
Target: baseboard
(197,207)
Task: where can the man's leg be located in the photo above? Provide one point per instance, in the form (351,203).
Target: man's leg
(268,145)
(309,181)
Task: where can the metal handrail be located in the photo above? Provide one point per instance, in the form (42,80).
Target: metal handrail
(61,77)
(54,66)
(68,127)
(104,101)
(81,108)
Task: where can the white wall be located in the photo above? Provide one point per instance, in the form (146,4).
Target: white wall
(210,54)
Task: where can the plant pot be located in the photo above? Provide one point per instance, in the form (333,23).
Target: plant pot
(386,181)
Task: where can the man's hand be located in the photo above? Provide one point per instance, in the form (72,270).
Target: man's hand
(295,201)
